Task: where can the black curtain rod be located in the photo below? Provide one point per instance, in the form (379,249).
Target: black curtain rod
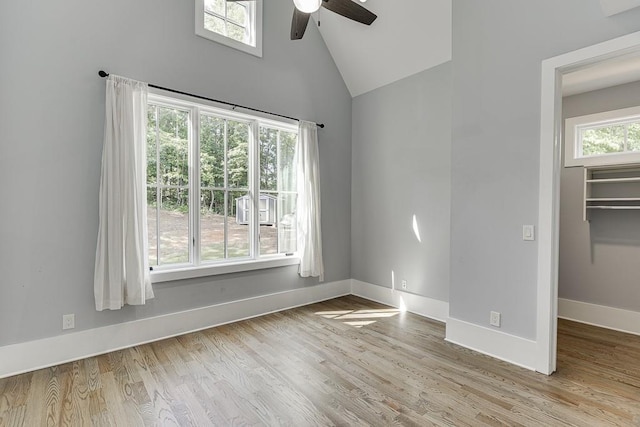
(234,106)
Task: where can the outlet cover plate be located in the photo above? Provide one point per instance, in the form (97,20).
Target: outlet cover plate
(68,321)
(494,319)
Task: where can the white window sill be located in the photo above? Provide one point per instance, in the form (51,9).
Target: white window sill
(159,276)
(611,159)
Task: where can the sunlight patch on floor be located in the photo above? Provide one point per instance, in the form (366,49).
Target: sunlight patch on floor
(359,318)
(360,323)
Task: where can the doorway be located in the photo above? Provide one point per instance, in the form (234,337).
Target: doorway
(553,70)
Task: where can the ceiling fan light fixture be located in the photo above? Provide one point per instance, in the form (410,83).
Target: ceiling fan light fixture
(307,6)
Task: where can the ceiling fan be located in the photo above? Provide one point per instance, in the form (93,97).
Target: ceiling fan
(347,8)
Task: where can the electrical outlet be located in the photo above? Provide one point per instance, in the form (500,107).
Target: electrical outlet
(68,321)
(494,319)
(404,284)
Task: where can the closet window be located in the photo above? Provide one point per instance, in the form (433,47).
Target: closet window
(612,137)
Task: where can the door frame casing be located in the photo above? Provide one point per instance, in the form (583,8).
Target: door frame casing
(549,184)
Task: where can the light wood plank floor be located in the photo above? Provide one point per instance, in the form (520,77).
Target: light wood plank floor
(342,362)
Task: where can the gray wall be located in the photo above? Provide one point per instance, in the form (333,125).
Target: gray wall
(498,46)
(51,125)
(401,168)
(598,259)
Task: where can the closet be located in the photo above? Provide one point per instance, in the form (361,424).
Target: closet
(613,187)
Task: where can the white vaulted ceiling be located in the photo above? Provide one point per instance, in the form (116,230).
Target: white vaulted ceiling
(613,7)
(611,72)
(409,36)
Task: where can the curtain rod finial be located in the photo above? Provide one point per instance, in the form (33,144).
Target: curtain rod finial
(103,73)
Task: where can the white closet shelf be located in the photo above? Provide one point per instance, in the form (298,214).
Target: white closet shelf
(614,207)
(612,180)
(595,175)
(614,199)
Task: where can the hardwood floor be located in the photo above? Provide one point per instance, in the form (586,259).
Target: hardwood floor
(346,361)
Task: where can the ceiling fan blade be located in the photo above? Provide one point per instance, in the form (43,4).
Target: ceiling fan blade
(351,10)
(299,24)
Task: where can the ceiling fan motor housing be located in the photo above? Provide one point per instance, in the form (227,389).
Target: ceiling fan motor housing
(307,6)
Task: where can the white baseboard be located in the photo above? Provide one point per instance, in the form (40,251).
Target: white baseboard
(32,355)
(423,306)
(600,315)
(510,348)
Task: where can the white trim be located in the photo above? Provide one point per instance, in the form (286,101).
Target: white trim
(510,348)
(420,305)
(548,205)
(32,355)
(184,101)
(548,220)
(159,276)
(600,315)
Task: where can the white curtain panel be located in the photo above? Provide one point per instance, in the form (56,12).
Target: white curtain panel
(308,205)
(122,268)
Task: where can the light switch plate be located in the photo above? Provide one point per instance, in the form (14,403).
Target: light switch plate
(528,232)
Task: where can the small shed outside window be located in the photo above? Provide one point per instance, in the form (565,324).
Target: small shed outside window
(267,209)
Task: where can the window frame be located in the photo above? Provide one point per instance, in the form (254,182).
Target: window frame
(573,143)
(196,267)
(255,26)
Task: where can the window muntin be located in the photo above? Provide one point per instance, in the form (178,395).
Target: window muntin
(230,19)
(237,24)
(233,155)
(612,137)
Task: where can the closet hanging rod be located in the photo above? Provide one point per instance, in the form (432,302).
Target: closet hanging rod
(102,73)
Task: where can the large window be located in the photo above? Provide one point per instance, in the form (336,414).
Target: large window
(221,187)
(237,24)
(612,137)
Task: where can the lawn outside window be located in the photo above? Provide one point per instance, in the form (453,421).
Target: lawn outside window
(237,24)
(221,190)
(608,138)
